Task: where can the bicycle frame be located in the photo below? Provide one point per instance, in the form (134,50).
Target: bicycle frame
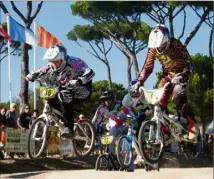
(152,97)
(48,116)
(110,156)
(159,117)
(134,144)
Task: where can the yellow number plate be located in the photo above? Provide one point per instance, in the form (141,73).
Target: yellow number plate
(47,92)
(129,121)
(106,140)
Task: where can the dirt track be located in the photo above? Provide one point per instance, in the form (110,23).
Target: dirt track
(196,173)
(88,162)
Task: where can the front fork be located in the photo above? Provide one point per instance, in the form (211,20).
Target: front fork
(157,116)
(44,130)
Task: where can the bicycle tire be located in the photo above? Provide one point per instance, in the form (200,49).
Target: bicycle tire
(44,143)
(122,164)
(189,148)
(141,145)
(75,149)
(99,162)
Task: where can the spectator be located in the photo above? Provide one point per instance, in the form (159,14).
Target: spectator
(209,131)
(80,117)
(11,118)
(25,118)
(2,125)
(34,117)
(11,121)
(3,117)
(35,114)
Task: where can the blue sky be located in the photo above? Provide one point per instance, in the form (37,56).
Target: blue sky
(57,18)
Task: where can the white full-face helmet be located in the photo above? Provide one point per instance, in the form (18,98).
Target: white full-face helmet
(159,37)
(56,53)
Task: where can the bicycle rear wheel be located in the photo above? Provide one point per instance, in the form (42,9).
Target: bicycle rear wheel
(193,150)
(84,139)
(37,139)
(151,149)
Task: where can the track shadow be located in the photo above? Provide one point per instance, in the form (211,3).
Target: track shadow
(25,175)
(27,165)
(180,161)
(88,162)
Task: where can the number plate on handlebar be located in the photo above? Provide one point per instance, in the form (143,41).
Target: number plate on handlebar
(106,140)
(47,92)
(128,121)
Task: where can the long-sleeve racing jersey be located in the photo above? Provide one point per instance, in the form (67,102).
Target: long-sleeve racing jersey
(174,60)
(116,114)
(74,69)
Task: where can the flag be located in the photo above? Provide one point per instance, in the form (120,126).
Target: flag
(3,32)
(46,39)
(21,34)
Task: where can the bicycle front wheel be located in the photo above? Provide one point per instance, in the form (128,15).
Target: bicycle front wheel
(102,163)
(124,152)
(151,148)
(37,139)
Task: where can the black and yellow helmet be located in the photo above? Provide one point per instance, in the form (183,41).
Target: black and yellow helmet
(108,95)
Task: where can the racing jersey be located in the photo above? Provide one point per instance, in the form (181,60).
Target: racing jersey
(116,114)
(174,60)
(75,69)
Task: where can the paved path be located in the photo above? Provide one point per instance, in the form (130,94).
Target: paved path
(179,173)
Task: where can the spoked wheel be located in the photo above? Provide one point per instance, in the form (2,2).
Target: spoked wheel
(124,152)
(193,150)
(37,138)
(102,163)
(84,139)
(150,147)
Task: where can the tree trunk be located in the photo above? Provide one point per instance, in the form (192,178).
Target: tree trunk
(203,121)
(211,41)
(129,75)
(195,30)
(131,56)
(24,71)
(24,47)
(171,21)
(135,64)
(109,76)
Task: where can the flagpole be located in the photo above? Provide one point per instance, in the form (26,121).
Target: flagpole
(0,77)
(0,64)
(34,65)
(9,64)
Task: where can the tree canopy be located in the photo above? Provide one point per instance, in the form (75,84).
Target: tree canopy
(97,42)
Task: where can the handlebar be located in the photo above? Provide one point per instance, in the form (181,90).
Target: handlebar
(54,84)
